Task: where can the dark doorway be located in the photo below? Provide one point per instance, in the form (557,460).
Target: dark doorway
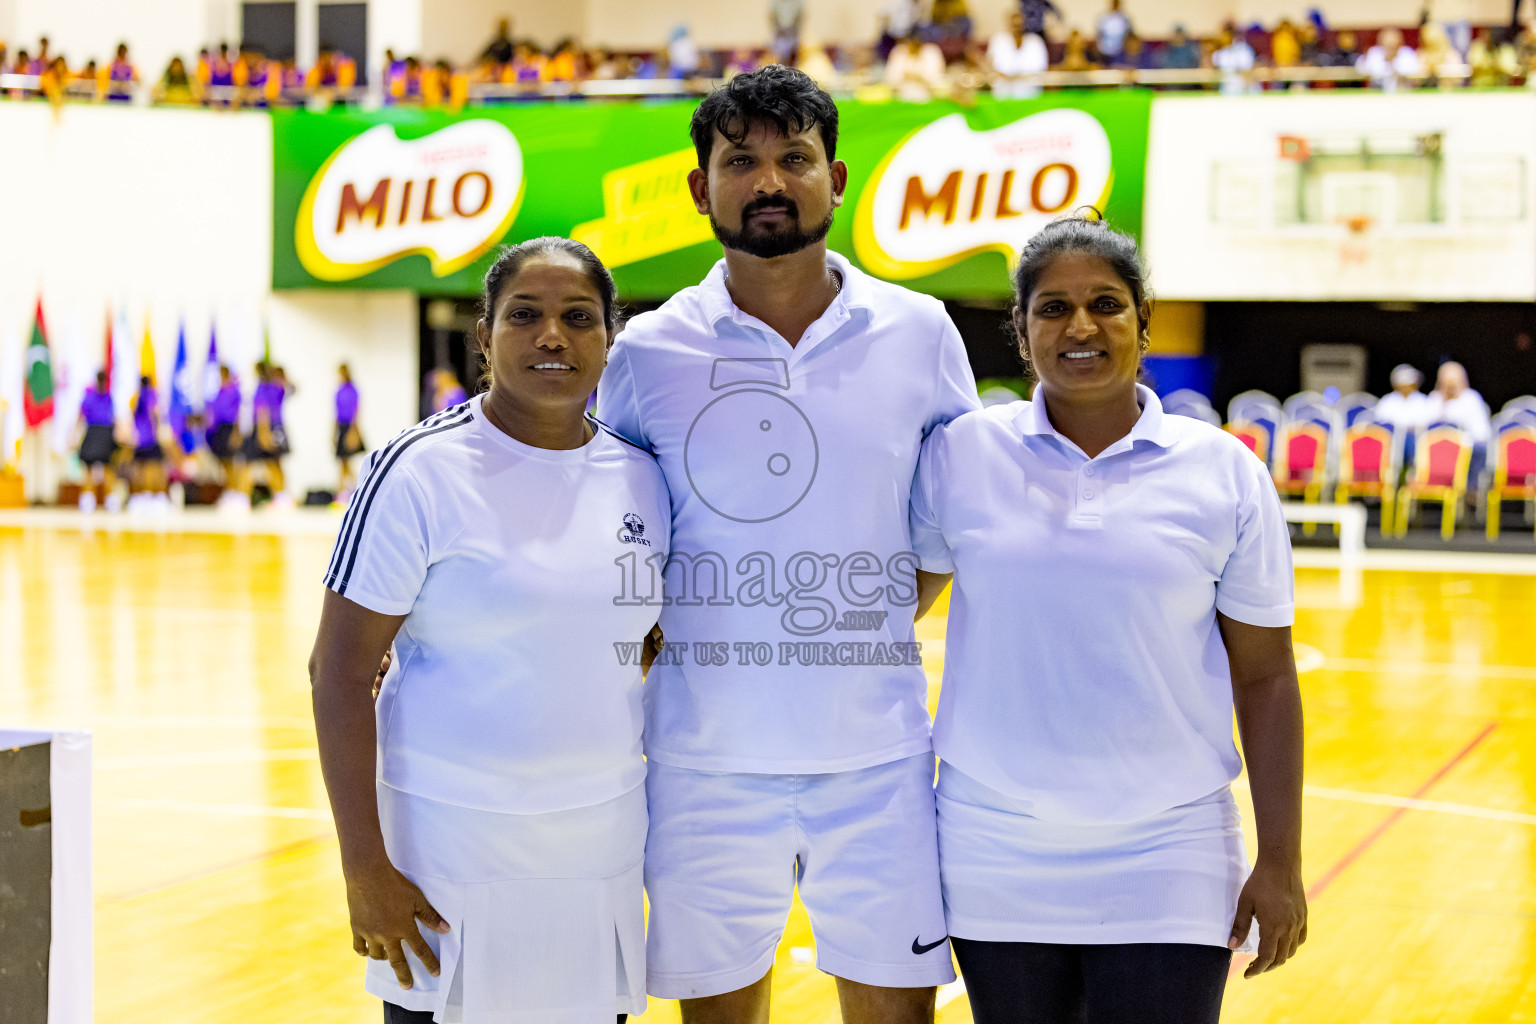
(270,28)
(344,29)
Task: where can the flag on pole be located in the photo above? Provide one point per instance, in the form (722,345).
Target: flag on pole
(37,399)
(181,393)
(211,367)
(147,356)
(106,359)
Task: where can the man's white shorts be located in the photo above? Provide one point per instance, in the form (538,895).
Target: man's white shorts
(725,851)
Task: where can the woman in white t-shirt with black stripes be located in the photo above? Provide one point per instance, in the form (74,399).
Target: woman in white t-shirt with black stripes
(491,805)
(1122,581)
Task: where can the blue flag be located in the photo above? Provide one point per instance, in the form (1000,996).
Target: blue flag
(181,397)
(211,367)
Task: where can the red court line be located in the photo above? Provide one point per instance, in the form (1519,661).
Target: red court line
(1338,867)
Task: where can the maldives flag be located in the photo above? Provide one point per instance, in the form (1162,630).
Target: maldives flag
(37,400)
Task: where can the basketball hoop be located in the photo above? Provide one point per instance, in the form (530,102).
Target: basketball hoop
(1359,223)
(1355,247)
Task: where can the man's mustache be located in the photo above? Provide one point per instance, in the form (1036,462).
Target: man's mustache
(770,203)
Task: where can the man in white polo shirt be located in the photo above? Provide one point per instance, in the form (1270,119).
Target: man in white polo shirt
(786,398)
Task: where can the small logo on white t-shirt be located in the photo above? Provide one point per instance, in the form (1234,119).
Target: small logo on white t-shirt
(633,530)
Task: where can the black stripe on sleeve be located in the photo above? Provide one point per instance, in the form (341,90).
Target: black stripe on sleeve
(349,521)
(355,542)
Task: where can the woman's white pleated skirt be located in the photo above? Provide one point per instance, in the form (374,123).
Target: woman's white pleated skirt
(546,911)
(1011,877)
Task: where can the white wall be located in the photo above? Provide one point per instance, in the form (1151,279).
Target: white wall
(375,333)
(164,217)
(460,30)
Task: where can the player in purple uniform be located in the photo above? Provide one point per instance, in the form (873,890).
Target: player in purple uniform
(98,445)
(148,456)
(349,438)
(122,79)
(266,445)
(223,416)
(221,79)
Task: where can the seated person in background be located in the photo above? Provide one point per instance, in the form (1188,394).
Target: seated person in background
(1435,53)
(1405,407)
(1493,59)
(1285,45)
(1013,57)
(176,87)
(1075,57)
(1234,59)
(915,70)
(1454,402)
(1389,61)
(1134,54)
(1181,51)
(1113,27)
(950,27)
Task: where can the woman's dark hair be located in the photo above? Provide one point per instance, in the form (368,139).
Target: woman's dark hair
(788,99)
(511,258)
(1082,232)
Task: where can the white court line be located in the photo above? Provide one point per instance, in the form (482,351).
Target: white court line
(1356,796)
(208,757)
(298,522)
(236,810)
(1497,562)
(949,993)
(182,721)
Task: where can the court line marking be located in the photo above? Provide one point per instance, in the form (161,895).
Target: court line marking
(208,757)
(1501,563)
(1339,866)
(1241,961)
(287,850)
(1357,796)
(235,810)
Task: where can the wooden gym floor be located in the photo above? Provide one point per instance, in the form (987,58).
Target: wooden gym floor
(218,893)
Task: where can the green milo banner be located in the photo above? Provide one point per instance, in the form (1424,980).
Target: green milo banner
(941,197)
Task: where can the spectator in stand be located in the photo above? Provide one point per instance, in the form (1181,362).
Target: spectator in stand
(915,70)
(1285,45)
(1405,407)
(53,81)
(1181,52)
(950,28)
(22,66)
(1525,52)
(601,65)
(254,77)
(1035,12)
(899,19)
(1075,55)
(785,18)
(1113,27)
(176,88)
(219,85)
(501,47)
(740,62)
(1436,56)
(1015,57)
(682,54)
(1135,56)
(815,61)
(1389,61)
(1235,60)
(565,64)
(1453,401)
(1493,59)
(1309,51)
(122,77)
(84,85)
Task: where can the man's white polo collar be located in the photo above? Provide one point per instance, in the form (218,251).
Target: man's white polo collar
(1152,425)
(715,298)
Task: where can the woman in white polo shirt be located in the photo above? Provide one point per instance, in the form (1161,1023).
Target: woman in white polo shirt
(491,807)
(1122,580)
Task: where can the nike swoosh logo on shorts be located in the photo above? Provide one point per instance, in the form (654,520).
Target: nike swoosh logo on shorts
(920,949)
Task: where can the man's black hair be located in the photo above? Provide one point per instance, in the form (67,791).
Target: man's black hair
(785,98)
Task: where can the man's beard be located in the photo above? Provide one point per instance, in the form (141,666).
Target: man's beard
(768,244)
